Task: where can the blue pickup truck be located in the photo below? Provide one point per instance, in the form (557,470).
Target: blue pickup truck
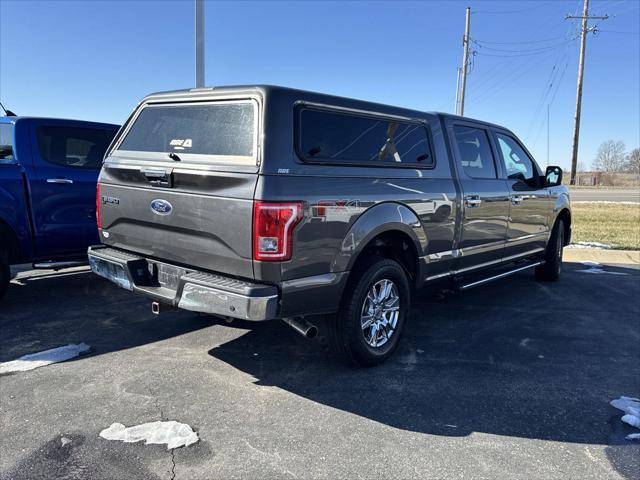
(48,173)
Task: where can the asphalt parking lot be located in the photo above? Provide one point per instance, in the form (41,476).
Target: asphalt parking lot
(509,380)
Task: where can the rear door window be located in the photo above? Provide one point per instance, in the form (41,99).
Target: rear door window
(475,152)
(6,142)
(212,132)
(370,140)
(74,147)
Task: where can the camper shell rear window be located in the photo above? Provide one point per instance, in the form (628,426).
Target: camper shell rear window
(211,132)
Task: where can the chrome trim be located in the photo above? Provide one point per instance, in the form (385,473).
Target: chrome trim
(194,297)
(440,256)
(529,252)
(500,275)
(527,237)
(59,180)
(199,298)
(485,246)
(313,281)
(60,265)
(485,264)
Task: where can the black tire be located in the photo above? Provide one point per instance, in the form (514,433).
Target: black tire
(4,271)
(551,269)
(346,333)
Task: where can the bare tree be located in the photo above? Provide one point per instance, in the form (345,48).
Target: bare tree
(580,167)
(633,161)
(610,157)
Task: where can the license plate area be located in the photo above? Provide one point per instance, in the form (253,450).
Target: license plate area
(165,275)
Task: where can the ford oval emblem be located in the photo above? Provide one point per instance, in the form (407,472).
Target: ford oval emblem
(160,207)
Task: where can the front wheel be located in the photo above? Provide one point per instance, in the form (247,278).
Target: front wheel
(550,270)
(373,313)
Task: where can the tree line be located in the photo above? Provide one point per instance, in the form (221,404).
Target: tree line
(612,157)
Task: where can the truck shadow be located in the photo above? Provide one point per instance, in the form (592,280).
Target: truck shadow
(515,358)
(47,310)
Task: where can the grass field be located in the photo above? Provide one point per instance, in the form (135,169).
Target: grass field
(614,224)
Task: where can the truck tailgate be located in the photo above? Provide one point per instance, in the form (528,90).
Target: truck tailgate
(205,221)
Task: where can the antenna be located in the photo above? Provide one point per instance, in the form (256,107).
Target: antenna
(7,113)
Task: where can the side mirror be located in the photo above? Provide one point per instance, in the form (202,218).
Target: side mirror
(553,176)
(6,152)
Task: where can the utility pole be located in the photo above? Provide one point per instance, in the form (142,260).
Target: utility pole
(583,44)
(199,43)
(455,107)
(548,134)
(465,61)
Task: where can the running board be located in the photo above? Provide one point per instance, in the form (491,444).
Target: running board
(59,265)
(467,286)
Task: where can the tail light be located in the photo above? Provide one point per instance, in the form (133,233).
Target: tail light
(98,219)
(273,224)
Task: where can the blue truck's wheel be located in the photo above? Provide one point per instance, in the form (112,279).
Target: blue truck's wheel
(373,313)
(4,271)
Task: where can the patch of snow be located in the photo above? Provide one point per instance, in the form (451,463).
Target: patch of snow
(174,434)
(632,420)
(606,202)
(596,268)
(631,408)
(41,359)
(590,245)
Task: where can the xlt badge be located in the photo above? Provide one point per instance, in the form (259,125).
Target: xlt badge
(160,207)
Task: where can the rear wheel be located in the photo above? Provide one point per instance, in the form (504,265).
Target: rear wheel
(552,267)
(4,270)
(374,309)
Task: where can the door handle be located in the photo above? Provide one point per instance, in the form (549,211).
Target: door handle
(158,177)
(517,199)
(472,201)
(59,180)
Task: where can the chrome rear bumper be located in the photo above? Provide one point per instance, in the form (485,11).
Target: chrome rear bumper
(185,288)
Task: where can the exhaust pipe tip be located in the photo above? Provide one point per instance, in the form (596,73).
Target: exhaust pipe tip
(155,308)
(302,326)
(312,332)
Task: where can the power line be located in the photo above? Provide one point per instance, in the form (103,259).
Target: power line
(550,39)
(618,31)
(536,49)
(508,12)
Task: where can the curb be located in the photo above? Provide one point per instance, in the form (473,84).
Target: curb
(621,257)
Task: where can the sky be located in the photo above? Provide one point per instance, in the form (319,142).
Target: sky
(95,60)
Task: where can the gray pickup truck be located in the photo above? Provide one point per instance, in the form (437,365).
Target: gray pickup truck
(262,202)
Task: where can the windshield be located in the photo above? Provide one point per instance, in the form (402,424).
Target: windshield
(213,132)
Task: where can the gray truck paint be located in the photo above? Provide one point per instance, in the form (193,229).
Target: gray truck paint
(210,227)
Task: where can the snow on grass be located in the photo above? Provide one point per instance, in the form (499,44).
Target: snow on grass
(590,245)
(41,359)
(174,434)
(604,202)
(631,408)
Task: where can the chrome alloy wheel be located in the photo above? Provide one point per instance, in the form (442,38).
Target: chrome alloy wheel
(380,312)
